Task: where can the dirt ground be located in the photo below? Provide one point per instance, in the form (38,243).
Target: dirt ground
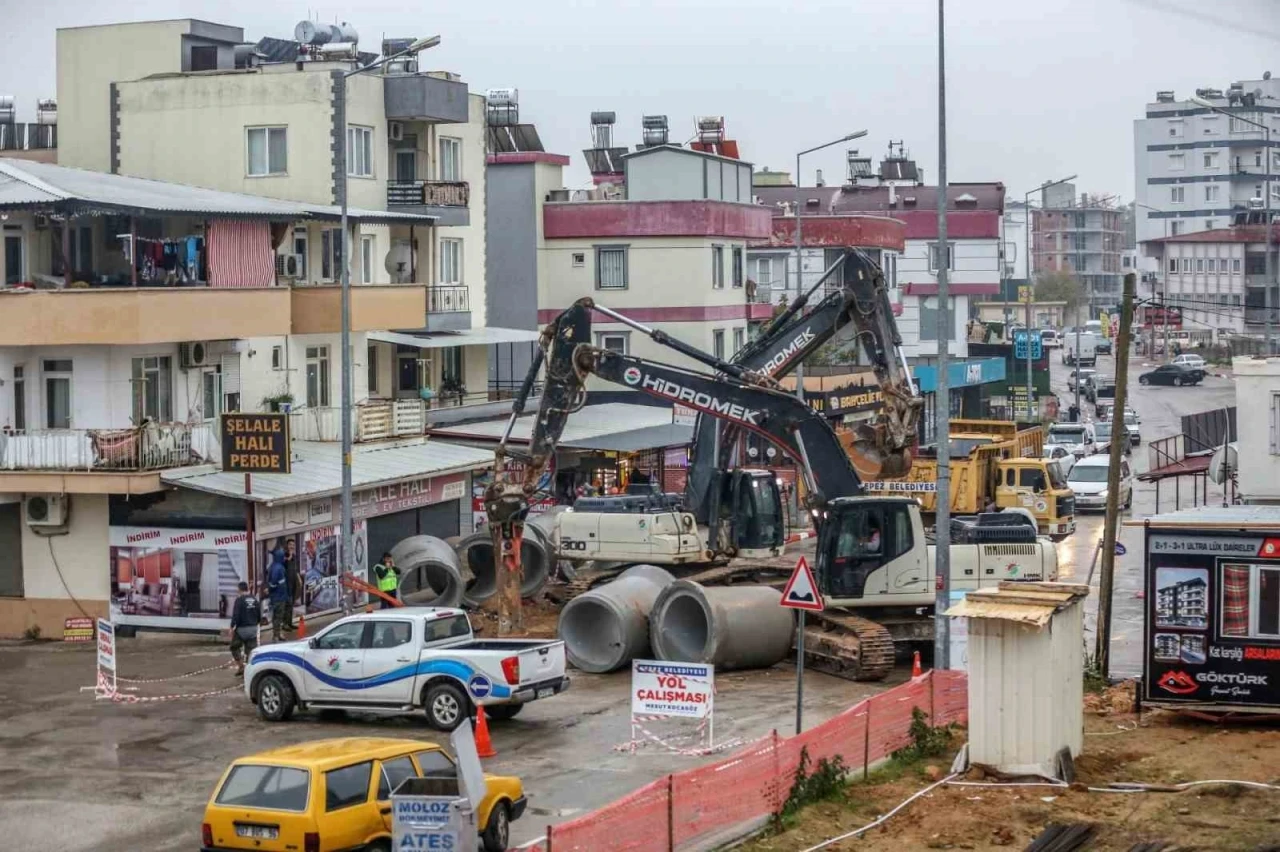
(1162,749)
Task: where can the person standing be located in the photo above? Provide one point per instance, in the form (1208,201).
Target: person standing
(278,591)
(246,615)
(294,580)
(388,577)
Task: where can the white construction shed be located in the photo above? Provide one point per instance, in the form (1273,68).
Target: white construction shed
(1026,676)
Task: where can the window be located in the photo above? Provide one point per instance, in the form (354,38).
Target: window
(277,357)
(1173,264)
(274,788)
(614,341)
(1210,125)
(1211,160)
(451,370)
(267,151)
(440,629)
(1175,127)
(300,251)
(1033,478)
(737,340)
(579,259)
(211,393)
(717,267)
(1177,162)
(1209,224)
(1199,264)
(317,376)
(1186,265)
(1235,266)
(331,254)
(366,259)
(435,764)
(371,365)
(764,270)
(406,164)
(203,58)
(1177,194)
(1211,191)
(933,256)
(737,266)
(449,166)
(347,786)
(717,343)
(1175,228)
(359,151)
(344,637)
(57,393)
(611,267)
(391,634)
(14,252)
(450,261)
(19,398)
(393,774)
(929,317)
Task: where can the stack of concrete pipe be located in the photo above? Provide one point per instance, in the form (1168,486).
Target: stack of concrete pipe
(476,555)
(608,627)
(430,572)
(731,627)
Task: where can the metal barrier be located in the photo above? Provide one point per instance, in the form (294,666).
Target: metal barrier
(722,801)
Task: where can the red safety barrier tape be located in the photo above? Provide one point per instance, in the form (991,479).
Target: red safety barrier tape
(123,679)
(139,699)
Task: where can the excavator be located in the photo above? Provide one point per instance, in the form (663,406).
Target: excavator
(873,562)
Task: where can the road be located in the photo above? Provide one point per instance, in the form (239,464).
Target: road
(1160,409)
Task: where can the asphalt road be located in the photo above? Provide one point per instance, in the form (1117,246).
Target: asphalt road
(1160,409)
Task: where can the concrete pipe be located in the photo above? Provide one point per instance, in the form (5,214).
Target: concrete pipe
(607,627)
(476,554)
(430,572)
(544,526)
(731,627)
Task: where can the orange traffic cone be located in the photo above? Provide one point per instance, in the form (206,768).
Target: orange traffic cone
(302,626)
(915,665)
(484,745)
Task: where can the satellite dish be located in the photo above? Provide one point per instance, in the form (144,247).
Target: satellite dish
(399,260)
(1224,462)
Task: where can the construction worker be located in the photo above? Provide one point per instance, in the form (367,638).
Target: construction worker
(278,591)
(388,577)
(246,615)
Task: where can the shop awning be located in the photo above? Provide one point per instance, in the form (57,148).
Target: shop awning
(635,440)
(613,426)
(485,336)
(317,470)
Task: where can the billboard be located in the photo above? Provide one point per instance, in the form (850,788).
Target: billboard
(164,577)
(1213,619)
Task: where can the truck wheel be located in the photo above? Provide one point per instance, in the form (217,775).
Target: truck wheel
(276,698)
(446,707)
(1058,537)
(502,712)
(497,832)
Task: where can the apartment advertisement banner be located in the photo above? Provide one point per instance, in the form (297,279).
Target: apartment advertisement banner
(1213,620)
(175,578)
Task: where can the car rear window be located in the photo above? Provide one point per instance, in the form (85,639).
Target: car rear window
(274,788)
(347,786)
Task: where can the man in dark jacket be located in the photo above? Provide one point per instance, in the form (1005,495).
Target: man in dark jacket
(246,614)
(278,591)
(293,579)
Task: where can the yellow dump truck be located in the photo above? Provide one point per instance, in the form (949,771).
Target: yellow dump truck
(992,461)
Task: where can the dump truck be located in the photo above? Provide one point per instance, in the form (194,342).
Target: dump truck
(992,461)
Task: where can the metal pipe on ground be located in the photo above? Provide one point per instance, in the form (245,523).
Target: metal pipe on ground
(608,627)
(476,555)
(430,571)
(731,627)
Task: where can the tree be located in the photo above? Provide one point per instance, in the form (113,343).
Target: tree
(1060,287)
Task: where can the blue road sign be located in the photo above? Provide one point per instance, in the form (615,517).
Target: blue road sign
(1020,345)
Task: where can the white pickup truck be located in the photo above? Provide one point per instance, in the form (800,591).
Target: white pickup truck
(402,660)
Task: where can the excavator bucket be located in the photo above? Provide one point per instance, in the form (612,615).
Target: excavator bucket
(871,456)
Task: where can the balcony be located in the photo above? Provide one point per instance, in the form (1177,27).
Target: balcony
(448,307)
(318,310)
(384,419)
(425,97)
(156,446)
(448,200)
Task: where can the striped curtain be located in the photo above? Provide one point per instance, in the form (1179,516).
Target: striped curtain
(240,254)
(1235,600)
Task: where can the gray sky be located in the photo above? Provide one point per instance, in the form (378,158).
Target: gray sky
(1037,89)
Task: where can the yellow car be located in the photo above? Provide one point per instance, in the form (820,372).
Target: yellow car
(335,795)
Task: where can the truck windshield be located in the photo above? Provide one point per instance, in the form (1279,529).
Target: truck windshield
(1066,435)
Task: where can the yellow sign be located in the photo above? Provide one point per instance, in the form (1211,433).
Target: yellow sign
(1024,294)
(1106,324)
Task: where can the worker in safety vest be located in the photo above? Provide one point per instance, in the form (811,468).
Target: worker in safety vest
(388,577)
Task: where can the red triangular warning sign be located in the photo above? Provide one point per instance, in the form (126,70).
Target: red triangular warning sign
(801,591)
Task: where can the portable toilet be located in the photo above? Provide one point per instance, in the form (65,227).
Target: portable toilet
(1026,677)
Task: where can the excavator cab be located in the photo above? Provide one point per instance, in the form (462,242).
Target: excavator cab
(868,546)
(752,503)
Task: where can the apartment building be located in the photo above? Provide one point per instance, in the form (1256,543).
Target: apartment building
(1083,236)
(1196,167)
(1217,278)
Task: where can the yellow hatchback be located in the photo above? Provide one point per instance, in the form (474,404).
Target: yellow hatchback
(335,795)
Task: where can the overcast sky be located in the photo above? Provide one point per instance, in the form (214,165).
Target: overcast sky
(1036,89)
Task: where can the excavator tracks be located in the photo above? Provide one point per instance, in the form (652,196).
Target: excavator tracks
(847,646)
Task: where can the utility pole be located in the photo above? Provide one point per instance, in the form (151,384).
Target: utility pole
(1102,651)
(942,397)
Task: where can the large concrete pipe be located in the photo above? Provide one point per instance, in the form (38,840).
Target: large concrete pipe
(607,627)
(544,526)
(732,627)
(476,554)
(430,572)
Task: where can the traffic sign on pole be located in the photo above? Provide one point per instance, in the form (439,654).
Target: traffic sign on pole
(801,591)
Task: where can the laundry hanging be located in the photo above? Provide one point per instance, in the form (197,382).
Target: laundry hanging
(240,254)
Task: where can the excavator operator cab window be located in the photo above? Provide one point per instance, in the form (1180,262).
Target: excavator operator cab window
(860,539)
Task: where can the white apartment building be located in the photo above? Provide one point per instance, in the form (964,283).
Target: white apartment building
(1196,168)
(1215,277)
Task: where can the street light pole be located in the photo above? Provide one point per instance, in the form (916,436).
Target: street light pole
(340,120)
(942,392)
(800,244)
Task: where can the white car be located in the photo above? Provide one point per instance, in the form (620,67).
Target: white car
(1134,424)
(1077,438)
(1193,361)
(1083,375)
(401,660)
(1062,455)
(1088,479)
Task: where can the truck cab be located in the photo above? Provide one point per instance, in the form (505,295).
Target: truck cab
(1037,485)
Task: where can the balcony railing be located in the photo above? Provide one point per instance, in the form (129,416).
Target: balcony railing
(155,446)
(381,419)
(430,193)
(448,299)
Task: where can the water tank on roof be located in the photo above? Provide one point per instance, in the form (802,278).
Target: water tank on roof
(346,32)
(502,97)
(312,33)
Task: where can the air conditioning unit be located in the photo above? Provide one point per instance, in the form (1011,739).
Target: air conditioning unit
(194,355)
(395,130)
(46,510)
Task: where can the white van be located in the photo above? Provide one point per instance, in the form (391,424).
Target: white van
(1077,438)
(1088,479)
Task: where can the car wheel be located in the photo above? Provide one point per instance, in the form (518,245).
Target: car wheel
(502,712)
(497,832)
(1177,381)
(382,845)
(447,706)
(1143,380)
(276,698)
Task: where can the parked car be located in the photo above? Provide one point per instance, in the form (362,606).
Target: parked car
(1088,479)
(1172,374)
(1134,425)
(1077,438)
(1195,362)
(1104,346)
(405,659)
(330,795)
(1049,338)
(1062,455)
(1082,376)
(1102,430)
(1099,388)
